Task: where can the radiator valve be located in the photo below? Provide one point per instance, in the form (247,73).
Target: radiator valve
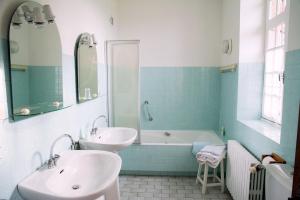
(256,167)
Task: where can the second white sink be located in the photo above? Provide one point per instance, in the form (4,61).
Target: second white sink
(110,139)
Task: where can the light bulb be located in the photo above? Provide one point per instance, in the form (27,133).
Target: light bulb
(48,13)
(94,39)
(91,42)
(16,20)
(37,17)
(27,14)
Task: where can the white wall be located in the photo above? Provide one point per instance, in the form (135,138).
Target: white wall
(23,143)
(243,21)
(230,29)
(252,31)
(173,32)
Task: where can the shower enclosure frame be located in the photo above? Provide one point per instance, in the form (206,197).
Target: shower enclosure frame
(109,84)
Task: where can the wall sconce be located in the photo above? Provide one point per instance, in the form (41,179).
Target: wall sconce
(36,16)
(88,39)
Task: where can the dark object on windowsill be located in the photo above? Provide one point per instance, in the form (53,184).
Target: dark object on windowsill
(278,159)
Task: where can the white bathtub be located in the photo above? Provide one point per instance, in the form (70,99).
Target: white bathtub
(159,154)
(179,137)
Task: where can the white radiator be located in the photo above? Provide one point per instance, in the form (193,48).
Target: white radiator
(241,184)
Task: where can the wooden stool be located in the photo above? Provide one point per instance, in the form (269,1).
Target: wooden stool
(203,178)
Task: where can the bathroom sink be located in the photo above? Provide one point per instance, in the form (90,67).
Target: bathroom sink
(78,175)
(110,139)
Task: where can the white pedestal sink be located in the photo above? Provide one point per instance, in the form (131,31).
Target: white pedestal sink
(109,139)
(78,175)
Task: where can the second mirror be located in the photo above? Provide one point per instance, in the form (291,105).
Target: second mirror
(86,68)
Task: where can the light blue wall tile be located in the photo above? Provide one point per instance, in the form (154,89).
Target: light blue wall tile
(159,158)
(181,98)
(254,141)
(228,103)
(250,90)
(291,102)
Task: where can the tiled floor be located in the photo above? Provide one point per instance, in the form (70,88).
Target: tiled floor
(166,188)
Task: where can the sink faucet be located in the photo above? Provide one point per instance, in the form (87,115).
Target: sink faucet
(94,129)
(53,158)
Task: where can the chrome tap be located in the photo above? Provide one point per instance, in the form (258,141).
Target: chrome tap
(94,129)
(53,158)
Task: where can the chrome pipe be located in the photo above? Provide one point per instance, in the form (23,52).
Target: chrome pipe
(147,113)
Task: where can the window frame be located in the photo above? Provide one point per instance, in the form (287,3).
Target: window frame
(274,22)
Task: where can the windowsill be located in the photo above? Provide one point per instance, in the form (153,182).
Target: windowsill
(265,128)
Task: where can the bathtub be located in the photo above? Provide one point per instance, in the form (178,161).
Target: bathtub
(172,137)
(160,154)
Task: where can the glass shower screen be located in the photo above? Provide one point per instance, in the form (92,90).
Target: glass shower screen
(123,83)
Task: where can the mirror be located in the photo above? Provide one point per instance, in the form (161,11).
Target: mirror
(86,68)
(35,61)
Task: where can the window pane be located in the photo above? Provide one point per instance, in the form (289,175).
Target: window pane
(277,91)
(279,60)
(278,118)
(272,8)
(271,38)
(280,32)
(276,109)
(268,80)
(270,61)
(267,109)
(275,78)
(268,90)
(281,6)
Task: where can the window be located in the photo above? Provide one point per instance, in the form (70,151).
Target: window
(274,60)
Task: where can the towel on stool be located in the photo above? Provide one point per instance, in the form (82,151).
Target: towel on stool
(211,154)
(197,146)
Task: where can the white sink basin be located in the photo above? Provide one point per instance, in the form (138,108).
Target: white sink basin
(78,175)
(110,139)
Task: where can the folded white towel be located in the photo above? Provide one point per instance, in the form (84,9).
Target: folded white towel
(215,150)
(211,154)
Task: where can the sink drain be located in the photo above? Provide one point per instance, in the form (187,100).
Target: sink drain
(75,187)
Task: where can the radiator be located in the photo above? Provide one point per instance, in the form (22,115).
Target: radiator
(241,184)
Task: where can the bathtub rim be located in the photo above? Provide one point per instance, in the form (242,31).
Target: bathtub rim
(222,140)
